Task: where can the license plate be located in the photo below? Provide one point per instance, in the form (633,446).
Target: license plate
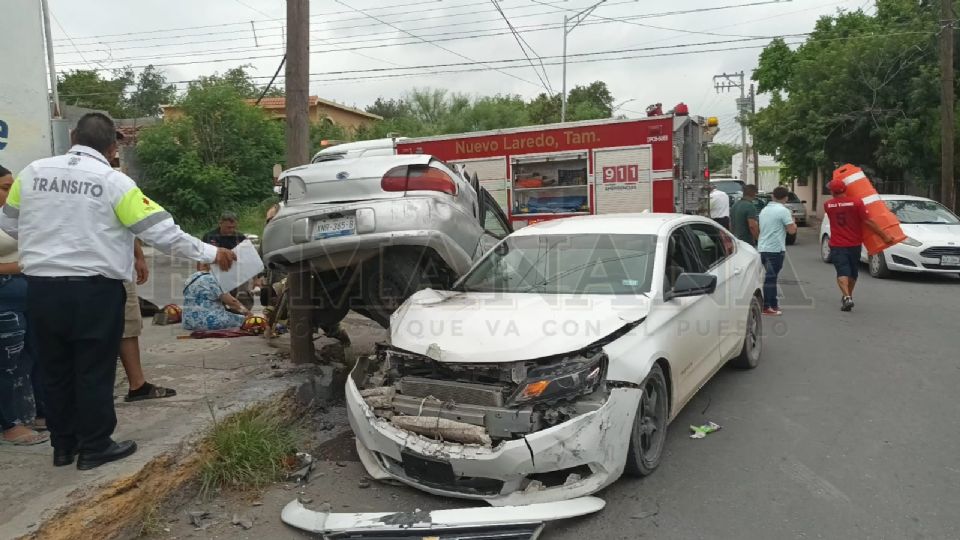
(950,260)
(333,227)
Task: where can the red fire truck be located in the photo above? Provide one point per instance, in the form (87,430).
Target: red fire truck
(537,173)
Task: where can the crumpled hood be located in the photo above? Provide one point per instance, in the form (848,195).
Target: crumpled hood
(496,327)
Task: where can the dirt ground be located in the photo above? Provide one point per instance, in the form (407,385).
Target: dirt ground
(338,478)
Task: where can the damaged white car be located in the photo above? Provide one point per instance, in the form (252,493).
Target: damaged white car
(556,363)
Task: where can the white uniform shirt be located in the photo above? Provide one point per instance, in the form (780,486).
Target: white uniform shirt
(76,216)
(719,204)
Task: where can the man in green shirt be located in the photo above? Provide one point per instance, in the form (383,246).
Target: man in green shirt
(743,217)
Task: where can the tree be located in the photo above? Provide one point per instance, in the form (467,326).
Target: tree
(87,88)
(590,102)
(721,156)
(389,108)
(862,89)
(219,155)
(236,78)
(151,91)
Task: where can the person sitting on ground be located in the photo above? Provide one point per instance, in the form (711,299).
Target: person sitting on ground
(207,307)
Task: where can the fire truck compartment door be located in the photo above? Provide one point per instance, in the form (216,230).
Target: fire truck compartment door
(492,173)
(622,179)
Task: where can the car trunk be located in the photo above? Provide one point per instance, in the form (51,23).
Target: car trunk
(332,190)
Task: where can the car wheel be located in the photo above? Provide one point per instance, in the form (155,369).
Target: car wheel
(825,249)
(878,266)
(649,431)
(749,355)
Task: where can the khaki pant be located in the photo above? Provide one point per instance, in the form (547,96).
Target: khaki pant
(132,321)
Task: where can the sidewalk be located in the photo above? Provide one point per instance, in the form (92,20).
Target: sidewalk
(211,376)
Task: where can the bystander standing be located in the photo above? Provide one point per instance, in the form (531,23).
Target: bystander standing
(776,221)
(78,259)
(719,206)
(744,217)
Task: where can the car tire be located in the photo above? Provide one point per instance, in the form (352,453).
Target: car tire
(825,249)
(877,265)
(384,291)
(749,356)
(649,433)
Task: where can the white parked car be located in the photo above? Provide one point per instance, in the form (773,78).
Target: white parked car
(932,244)
(558,360)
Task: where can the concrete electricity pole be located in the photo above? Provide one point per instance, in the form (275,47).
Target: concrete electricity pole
(756,155)
(948,183)
(298,147)
(726,81)
(576,19)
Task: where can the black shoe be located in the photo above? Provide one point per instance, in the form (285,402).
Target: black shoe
(846,304)
(116,450)
(63,457)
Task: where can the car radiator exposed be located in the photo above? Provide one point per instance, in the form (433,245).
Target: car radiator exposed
(466,403)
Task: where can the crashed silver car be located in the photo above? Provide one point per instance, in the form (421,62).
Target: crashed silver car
(557,362)
(375,230)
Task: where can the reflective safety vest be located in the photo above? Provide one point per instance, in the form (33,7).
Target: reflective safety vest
(77,216)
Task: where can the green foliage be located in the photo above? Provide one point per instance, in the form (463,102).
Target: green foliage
(218,156)
(150,92)
(721,156)
(863,89)
(236,78)
(87,88)
(248,451)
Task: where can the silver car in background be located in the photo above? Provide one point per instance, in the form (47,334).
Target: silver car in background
(375,230)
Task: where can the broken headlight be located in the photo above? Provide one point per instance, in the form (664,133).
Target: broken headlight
(564,379)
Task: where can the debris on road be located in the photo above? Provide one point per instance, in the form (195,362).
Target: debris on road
(702,431)
(303,466)
(527,519)
(242,521)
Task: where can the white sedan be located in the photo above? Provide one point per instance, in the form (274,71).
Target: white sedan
(557,362)
(932,244)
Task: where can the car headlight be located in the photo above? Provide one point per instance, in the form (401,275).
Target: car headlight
(912,242)
(566,378)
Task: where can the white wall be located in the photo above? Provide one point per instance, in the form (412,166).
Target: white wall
(769,171)
(24,106)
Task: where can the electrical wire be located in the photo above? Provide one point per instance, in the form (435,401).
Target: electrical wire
(441,47)
(516,36)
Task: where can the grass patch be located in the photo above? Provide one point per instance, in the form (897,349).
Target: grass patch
(152,521)
(247,451)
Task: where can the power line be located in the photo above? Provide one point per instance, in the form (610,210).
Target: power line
(441,47)
(516,36)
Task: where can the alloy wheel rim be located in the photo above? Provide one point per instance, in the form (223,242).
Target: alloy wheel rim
(875,264)
(651,417)
(825,249)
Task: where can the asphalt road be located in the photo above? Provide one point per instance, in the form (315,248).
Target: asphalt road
(849,428)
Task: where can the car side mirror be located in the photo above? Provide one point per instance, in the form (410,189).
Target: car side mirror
(803,202)
(689,284)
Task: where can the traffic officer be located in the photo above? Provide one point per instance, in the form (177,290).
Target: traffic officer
(76,219)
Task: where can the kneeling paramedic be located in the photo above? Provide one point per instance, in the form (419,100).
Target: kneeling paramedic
(76,219)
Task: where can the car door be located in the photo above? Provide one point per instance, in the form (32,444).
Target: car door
(495,224)
(716,250)
(687,325)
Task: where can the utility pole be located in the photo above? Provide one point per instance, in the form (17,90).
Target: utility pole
(576,19)
(726,81)
(753,146)
(300,280)
(947,181)
(48,35)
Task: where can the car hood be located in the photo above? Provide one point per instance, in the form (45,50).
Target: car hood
(498,327)
(933,234)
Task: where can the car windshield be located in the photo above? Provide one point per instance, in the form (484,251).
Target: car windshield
(728,186)
(566,264)
(792,198)
(922,212)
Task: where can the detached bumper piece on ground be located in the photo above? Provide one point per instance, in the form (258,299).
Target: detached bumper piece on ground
(486,523)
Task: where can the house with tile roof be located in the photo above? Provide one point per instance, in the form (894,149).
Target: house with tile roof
(320,110)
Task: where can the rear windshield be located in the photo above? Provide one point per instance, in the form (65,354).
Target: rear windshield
(728,186)
(792,197)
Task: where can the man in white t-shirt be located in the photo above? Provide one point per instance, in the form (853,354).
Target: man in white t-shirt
(720,206)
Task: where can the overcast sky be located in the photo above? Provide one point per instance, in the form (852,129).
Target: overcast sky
(189,38)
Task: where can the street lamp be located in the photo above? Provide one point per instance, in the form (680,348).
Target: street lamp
(621,104)
(576,19)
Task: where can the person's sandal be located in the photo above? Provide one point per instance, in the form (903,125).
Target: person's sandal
(27,439)
(149,391)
